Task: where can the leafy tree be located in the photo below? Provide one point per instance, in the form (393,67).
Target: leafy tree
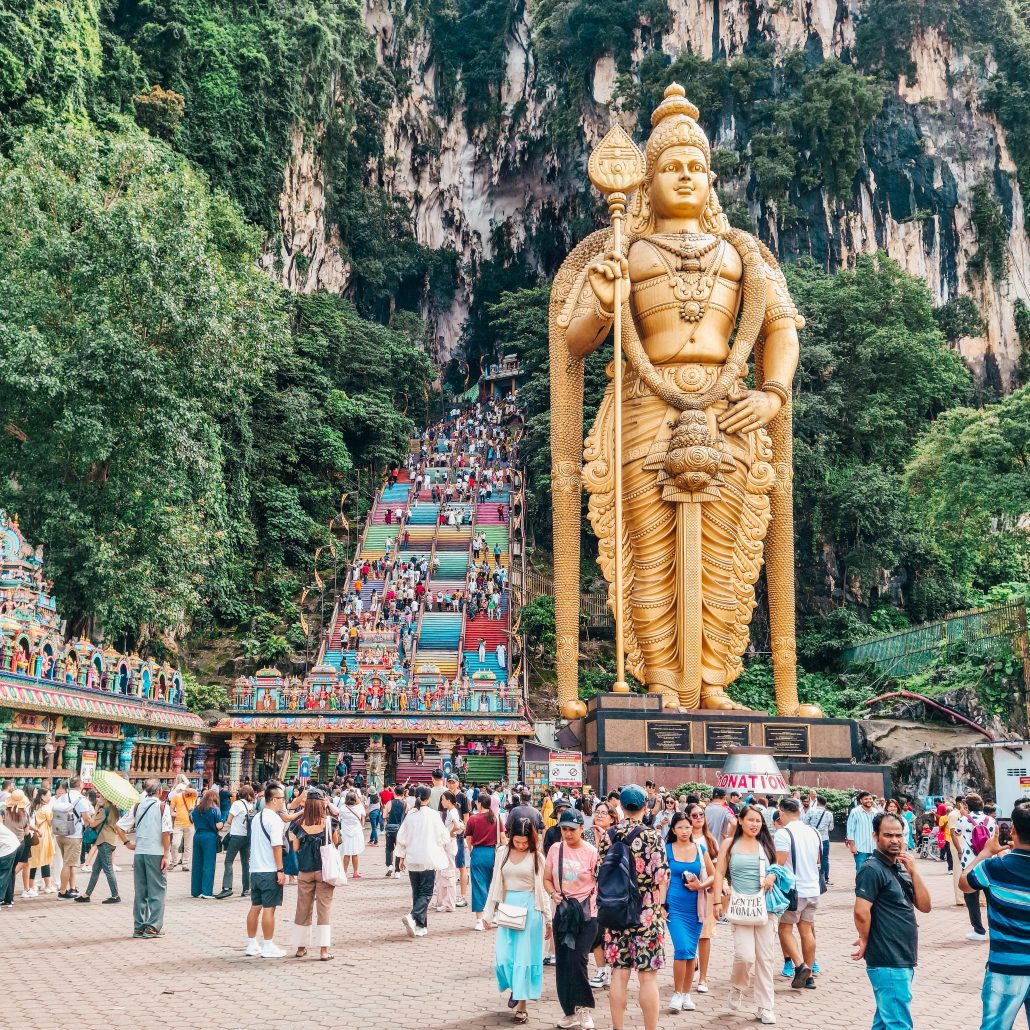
(134,320)
(204,697)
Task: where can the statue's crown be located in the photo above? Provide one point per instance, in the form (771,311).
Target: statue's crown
(674,122)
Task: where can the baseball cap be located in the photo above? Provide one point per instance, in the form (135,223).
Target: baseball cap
(562,803)
(632,797)
(570,817)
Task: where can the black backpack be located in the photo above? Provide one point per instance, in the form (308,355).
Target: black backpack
(619,903)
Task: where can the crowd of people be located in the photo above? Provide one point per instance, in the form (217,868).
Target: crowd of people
(616,878)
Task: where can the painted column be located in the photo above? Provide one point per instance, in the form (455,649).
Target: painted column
(235,762)
(512,750)
(375,762)
(247,769)
(125,754)
(72,746)
(178,753)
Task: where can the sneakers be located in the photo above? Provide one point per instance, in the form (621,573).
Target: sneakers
(676,1002)
(567,1022)
(421,931)
(702,987)
(224,894)
(31,893)
(766,1016)
(586,1019)
(270,950)
(548,960)
(478,925)
(602,978)
(461,903)
(50,890)
(736,999)
(85,868)
(83,899)
(409,925)
(253,949)
(810,983)
(974,936)
(688,1003)
(115,900)
(815,969)
(788,968)
(801,974)
(389,873)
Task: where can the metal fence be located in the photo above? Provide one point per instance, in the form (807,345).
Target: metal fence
(984,631)
(594,612)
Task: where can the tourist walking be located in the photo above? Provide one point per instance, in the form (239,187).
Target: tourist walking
(445,892)
(967,839)
(691,873)
(859,833)
(70,809)
(44,848)
(570,880)
(744,862)
(151,820)
(602,820)
(267,832)
(237,841)
(183,798)
(207,824)
(637,945)
(888,889)
(104,821)
(700,835)
(307,837)
(820,818)
(420,843)
(9,847)
(461,803)
(395,812)
(352,832)
(1003,874)
(483,836)
(17,817)
(720,817)
(521,909)
(799,849)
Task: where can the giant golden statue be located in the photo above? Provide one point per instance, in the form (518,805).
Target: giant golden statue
(705,462)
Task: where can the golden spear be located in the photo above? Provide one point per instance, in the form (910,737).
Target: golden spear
(617,167)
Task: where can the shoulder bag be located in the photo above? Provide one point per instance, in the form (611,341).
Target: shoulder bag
(332,865)
(749,909)
(511,917)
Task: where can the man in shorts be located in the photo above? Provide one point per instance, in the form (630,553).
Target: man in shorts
(69,812)
(639,947)
(266,873)
(799,849)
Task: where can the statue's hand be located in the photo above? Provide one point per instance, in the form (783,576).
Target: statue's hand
(602,274)
(754,410)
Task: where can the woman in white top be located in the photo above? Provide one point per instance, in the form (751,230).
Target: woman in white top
(352,832)
(518,889)
(446,897)
(421,846)
(238,841)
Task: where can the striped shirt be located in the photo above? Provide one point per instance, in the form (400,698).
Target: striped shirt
(860,830)
(1006,881)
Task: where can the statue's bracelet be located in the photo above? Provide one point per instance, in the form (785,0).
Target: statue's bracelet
(605,316)
(776,387)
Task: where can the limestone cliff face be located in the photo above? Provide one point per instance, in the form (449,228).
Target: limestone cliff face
(922,157)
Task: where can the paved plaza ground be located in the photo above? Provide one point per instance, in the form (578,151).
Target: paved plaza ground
(81,969)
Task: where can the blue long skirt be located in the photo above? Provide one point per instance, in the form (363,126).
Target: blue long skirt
(481,871)
(519,956)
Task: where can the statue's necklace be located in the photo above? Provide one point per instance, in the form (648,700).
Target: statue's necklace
(699,256)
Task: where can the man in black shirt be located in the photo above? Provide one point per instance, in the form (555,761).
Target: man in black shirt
(887,889)
(524,810)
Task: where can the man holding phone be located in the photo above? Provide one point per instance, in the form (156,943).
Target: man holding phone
(1002,872)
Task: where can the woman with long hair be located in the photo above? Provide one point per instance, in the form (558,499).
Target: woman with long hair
(894,807)
(43,851)
(421,841)
(518,886)
(207,823)
(482,832)
(701,835)
(237,841)
(745,862)
(306,837)
(691,874)
(603,819)
(446,879)
(17,817)
(352,831)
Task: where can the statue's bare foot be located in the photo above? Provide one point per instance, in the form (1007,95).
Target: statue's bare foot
(670,699)
(718,700)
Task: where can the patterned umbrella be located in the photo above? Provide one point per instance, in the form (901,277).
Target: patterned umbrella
(114,788)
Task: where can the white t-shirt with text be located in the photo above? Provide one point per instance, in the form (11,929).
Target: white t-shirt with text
(268,831)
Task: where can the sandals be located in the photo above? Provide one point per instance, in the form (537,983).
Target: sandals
(326,958)
(520,1017)
(300,953)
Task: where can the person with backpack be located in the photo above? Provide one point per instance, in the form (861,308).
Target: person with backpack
(975,828)
(70,810)
(632,878)
(151,819)
(237,841)
(103,824)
